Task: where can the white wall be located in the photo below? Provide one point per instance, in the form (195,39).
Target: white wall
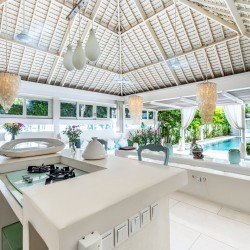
(221,188)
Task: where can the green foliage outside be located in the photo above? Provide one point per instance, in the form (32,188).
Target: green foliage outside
(112,113)
(88,110)
(169,125)
(247,110)
(16,108)
(127,114)
(101,112)
(37,108)
(68,109)
(219,127)
(248,148)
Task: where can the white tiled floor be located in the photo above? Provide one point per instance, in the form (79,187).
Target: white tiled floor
(197,224)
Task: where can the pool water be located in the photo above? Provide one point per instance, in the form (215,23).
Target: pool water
(224,145)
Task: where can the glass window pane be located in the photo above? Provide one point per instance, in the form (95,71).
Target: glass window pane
(127,114)
(150,115)
(68,109)
(85,110)
(101,112)
(37,107)
(112,113)
(16,108)
(144,115)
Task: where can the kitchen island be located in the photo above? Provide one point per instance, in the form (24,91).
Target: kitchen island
(123,200)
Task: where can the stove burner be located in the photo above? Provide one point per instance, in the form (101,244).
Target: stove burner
(60,175)
(41,169)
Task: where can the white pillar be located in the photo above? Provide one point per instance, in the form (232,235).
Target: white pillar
(243,133)
(120,117)
(56,116)
(182,141)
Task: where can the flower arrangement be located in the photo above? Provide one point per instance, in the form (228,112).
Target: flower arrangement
(73,133)
(13,128)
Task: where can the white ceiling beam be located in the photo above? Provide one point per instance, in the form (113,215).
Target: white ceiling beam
(242,2)
(186,100)
(165,105)
(209,15)
(148,19)
(226,83)
(189,52)
(232,97)
(2,2)
(88,18)
(156,40)
(236,16)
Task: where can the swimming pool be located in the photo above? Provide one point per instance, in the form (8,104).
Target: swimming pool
(224,145)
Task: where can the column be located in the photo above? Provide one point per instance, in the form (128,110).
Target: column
(56,116)
(120,116)
(243,133)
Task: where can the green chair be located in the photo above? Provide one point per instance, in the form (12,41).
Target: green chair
(154,147)
(12,237)
(104,143)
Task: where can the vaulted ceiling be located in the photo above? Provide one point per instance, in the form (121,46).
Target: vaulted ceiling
(137,39)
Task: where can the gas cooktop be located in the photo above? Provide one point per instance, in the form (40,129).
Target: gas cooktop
(35,176)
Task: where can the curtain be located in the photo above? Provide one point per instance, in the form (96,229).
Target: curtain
(187,116)
(235,115)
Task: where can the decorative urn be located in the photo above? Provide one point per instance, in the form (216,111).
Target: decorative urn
(234,156)
(197,152)
(94,150)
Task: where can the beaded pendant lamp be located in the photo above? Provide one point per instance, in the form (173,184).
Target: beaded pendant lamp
(9,83)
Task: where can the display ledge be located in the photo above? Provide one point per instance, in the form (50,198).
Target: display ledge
(210,163)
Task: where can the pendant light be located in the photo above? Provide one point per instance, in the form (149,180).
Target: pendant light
(24,35)
(206,98)
(9,83)
(176,64)
(92,47)
(79,57)
(68,57)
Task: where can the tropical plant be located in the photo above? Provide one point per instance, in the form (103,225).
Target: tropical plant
(144,136)
(169,125)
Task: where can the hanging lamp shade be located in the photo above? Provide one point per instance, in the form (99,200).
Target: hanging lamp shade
(206,98)
(135,104)
(92,47)
(9,88)
(68,59)
(79,57)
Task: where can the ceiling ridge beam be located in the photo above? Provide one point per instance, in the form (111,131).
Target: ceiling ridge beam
(156,40)
(88,18)
(236,16)
(209,15)
(146,19)
(188,52)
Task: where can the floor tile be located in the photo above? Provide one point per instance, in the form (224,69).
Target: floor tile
(225,230)
(197,202)
(181,237)
(206,243)
(172,202)
(235,215)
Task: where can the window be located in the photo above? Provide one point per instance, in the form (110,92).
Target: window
(37,107)
(112,112)
(150,115)
(101,112)
(144,115)
(68,109)
(85,111)
(127,114)
(16,108)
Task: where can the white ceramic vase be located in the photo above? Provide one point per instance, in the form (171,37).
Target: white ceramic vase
(94,150)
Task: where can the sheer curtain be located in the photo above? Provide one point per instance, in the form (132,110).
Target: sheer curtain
(235,115)
(187,116)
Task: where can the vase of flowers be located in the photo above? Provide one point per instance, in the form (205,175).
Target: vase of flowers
(13,128)
(73,133)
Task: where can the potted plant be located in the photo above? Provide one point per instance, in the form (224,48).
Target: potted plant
(13,128)
(73,133)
